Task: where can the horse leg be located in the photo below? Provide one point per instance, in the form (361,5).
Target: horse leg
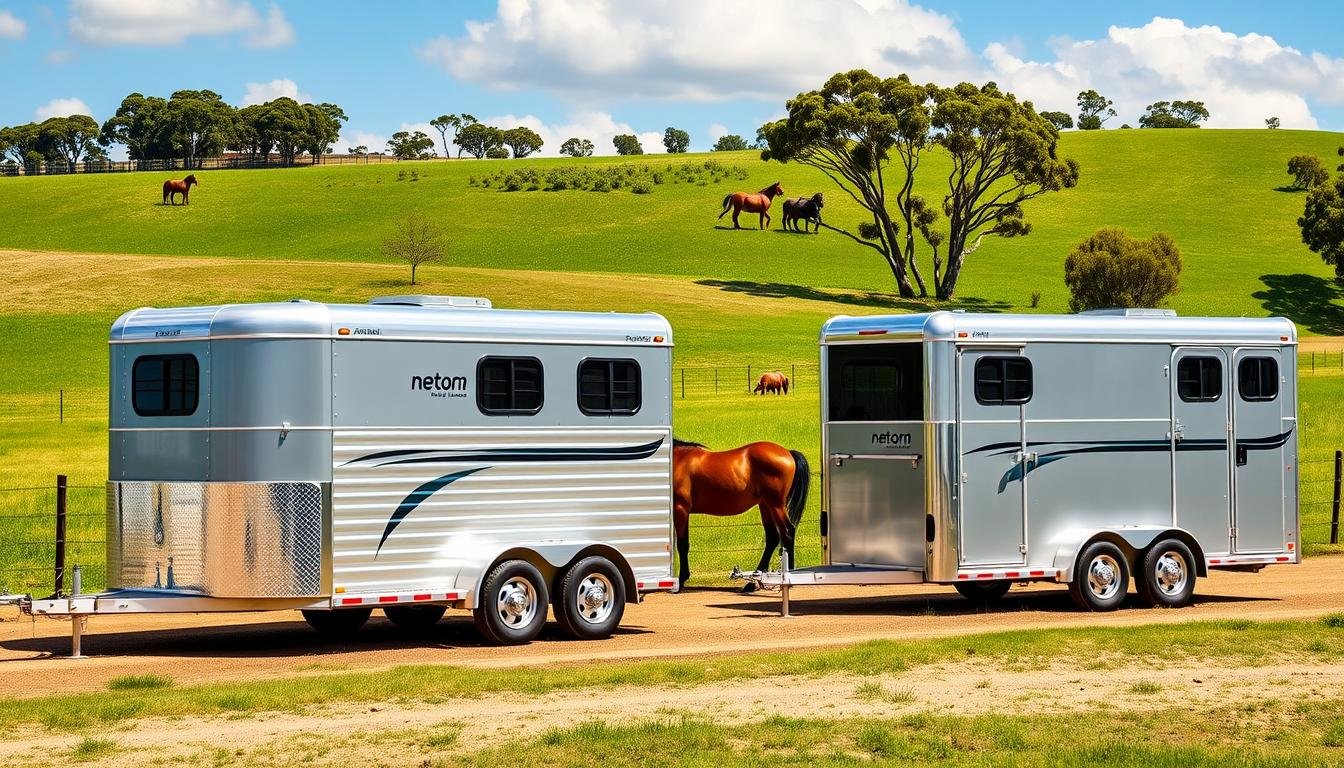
(771,543)
(682,523)
(736,212)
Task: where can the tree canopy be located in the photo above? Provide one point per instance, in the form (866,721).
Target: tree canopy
(1173,114)
(1003,153)
(1308,171)
(477,139)
(410,145)
(576,147)
(1093,110)
(1272,122)
(1110,269)
(445,123)
(1060,120)
(1322,223)
(732,142)
(522,140)
(627,144)
(676,140)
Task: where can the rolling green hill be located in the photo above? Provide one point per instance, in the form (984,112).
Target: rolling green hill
(1218,193)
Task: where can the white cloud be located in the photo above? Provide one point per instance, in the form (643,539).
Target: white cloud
(593,51)
(597,127)
(260,93)
(1242,79)
(697,49)
(169,22)
(716,131)
(11,26)
(59,56)
(62,108)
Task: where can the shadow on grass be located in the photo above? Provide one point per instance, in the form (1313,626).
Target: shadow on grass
(1307,300)
(1286,188)
(856,298)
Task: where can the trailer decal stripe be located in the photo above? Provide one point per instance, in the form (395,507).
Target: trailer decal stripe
(416,497)
(424,456)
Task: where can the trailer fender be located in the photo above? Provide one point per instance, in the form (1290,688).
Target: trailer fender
(1132,541)
(553,557)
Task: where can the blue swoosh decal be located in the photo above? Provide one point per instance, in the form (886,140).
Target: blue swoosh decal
(425,456)
(417,497)
(1015,473)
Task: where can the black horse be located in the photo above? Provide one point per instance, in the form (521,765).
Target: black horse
(803,209)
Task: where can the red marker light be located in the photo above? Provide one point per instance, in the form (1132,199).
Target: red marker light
(874,332)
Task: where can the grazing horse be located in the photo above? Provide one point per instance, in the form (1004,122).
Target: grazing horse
(773,383)
(174,187)
(757,203)
(725,483)
(803,209)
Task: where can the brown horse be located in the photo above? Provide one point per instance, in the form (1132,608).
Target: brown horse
(757,203)
(183,187)
(726,483)
(772,383)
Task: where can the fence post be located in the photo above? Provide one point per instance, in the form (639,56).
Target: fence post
(1334,507)
(748,378)
(716,380)
(62,406)
(793,375)
(60,536)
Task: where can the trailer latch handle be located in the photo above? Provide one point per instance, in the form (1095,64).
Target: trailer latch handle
(839,459)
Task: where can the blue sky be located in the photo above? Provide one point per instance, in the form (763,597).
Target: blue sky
(596,67)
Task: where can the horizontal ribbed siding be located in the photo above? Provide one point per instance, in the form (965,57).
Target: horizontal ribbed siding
(625,503)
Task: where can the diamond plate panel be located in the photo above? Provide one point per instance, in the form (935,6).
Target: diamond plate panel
(220,539)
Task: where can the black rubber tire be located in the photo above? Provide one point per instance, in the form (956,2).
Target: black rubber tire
(1080,590)
(341,622)
(1151,592)
(491,625)
(414,618)
(983,591)
(575,618)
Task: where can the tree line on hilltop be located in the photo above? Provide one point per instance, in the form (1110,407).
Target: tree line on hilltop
(188,126)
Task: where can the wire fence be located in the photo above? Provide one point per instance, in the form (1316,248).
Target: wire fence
(226,162)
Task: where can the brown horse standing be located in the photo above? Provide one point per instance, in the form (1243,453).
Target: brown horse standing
(183,187)
(757,203)
(772,383)
(725,483)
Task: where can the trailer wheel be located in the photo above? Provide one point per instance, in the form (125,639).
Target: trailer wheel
(513,604)
(591,599)
(340,622)
(983,591)
(1167,575)
(1101,577)
(416,618)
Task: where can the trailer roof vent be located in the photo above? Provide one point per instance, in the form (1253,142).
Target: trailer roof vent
(1131,312)
(432,301)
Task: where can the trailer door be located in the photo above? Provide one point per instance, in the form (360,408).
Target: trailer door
(1200,397)
(1259,475)
(993,392)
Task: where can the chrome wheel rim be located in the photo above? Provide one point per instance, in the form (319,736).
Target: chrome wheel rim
(1103,577)
(1171,573)
(516,603)
(595,598)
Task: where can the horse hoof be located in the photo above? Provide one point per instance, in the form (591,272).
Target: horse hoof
(748,588)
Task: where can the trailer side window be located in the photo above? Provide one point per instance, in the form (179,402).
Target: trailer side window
(165,385)
(1003,380)
(1199,379)
(1258,378)
(609,387)
(875,382)
(509,385)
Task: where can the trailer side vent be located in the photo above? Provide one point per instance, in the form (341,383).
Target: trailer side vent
(1131,312)
(455,302)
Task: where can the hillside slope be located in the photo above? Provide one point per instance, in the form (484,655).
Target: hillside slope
(1218,193)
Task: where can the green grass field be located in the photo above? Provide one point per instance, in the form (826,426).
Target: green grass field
(734,298)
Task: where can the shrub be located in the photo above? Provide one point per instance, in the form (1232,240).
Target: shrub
(1112,269)
(641,187)
(1308,171)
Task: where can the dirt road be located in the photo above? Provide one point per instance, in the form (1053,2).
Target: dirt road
(211,647)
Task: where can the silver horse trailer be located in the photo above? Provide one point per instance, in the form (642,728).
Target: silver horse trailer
(412,454)
(980,450)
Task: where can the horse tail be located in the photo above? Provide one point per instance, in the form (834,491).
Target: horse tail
(802,480)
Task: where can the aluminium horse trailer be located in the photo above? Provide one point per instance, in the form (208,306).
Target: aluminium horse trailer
(980,450)
(411,454)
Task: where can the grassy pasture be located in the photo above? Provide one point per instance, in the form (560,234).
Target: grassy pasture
(734,298)
(1220,194)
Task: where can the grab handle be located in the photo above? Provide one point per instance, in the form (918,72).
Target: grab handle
(839,459)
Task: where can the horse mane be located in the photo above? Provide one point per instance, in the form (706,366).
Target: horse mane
(679,443)
(816,198)
(769,190)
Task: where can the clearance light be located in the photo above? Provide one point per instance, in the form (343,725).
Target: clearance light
(657,339)
(343,331)
(962,334)
(874,332)
(340,590)
(1283,338)
(1290,546)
